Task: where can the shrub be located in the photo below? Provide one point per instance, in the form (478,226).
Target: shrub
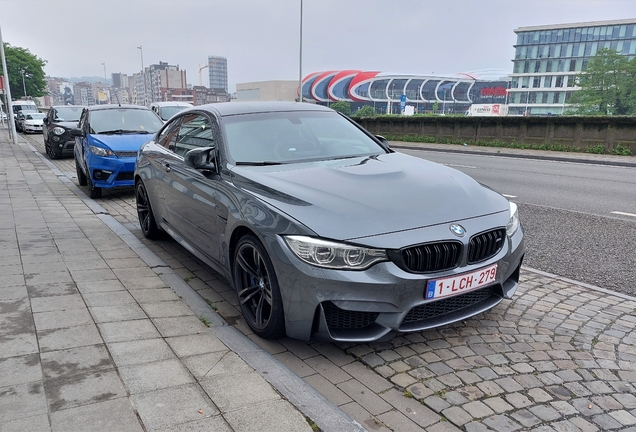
(366,111)
(342,107)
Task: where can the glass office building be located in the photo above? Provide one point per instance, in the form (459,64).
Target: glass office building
(217,72)
(548,58)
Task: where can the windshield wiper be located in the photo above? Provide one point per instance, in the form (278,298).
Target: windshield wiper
(264,163)
(124,131)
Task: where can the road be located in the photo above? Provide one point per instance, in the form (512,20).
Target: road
(579,219)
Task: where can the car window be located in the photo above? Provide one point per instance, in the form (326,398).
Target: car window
(195,131)
(168,136)
(295,136)
(124,120)
(67,113)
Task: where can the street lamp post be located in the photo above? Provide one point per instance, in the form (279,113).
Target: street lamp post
(300,57)
(444,104)
(23,83)
(143,75)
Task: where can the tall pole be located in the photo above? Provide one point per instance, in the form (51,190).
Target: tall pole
(7,89)
(23,84)
(300,57)
(143,75)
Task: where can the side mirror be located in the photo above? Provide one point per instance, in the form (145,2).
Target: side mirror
(45,120)
(200,158)
(76,133)
(383,140)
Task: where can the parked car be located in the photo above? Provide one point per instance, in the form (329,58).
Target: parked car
(58,123)
(107,141)
(31,121)
(322,229)
(165,110)
(19,108)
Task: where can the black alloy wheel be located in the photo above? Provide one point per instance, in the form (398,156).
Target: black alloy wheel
(93,191)
(144,212)
(81,177)
(257,288)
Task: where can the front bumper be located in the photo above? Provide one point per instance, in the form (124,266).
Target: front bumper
(62,145)
(377,303)
(109,172)
(32,128)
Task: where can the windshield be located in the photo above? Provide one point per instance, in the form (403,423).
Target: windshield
(285,137)
(35,116)
(124,120)
(168,111)
(71,113)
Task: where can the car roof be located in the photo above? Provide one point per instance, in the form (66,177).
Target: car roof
(115,106)
(171,103)
(235,108)
(68,106)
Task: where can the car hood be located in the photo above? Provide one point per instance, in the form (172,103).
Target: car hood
(33,122)
(361,197)
(123,142)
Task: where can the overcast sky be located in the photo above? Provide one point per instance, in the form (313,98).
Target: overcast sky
(260,38)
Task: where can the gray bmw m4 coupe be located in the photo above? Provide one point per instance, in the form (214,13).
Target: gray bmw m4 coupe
(323,230)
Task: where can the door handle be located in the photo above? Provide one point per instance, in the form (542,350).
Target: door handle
(166,166)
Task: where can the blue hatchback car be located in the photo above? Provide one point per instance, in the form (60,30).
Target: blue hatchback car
(107,141)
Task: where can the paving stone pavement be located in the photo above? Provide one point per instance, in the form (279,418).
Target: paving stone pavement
(559,356)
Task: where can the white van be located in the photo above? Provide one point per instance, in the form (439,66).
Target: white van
(18,107)
(165,110)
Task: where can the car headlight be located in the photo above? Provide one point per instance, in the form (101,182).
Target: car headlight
(100,151)
(513,223)
(328,254)
(58,130)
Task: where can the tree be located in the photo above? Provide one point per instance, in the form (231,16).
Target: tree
(606,85)
(366,111)
(342,106)
(18,60)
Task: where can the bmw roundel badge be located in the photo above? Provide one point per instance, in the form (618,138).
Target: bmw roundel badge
(458,230)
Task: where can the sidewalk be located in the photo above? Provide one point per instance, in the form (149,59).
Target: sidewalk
(98,333)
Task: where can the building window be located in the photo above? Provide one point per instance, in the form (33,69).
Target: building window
(572,65)
(525,82)
(526,67)
(559,81)
(548,66)
(561,67)
(547,82)
(537,66)
(536,82)
(544,97)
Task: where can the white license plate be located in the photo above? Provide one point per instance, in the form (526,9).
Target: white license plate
(454,285)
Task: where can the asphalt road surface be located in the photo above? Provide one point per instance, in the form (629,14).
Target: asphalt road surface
(579,219)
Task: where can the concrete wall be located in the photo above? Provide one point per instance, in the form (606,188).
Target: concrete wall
(574,131)
(267,91)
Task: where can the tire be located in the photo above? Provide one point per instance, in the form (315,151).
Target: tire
(257,288)
(146,217)
(81,177)
(93,191)
(49,150)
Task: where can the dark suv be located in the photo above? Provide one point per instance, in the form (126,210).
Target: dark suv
(58,123)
